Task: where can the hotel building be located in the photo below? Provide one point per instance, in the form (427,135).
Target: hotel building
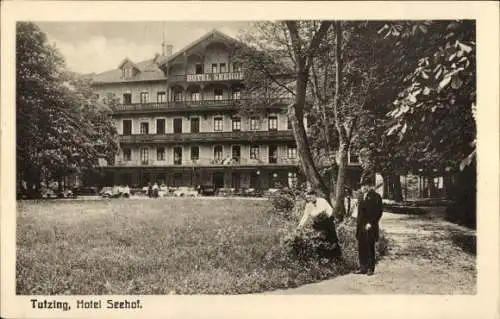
(180,123)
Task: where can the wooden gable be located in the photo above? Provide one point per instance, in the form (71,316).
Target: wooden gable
(199,46)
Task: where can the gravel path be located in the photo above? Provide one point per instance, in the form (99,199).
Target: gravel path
(427,255)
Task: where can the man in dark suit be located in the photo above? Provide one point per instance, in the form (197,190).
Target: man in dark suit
(367,228)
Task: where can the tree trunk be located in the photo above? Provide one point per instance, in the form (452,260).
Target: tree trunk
(60,183)
(296,115)
(398,193)
(421,185)
(33,181)
(447,187)
(296,110)
(338,206)
(389,189)
(385,180)
(332,180)
(431,187)
(332,189)
(390,182)
(405,188)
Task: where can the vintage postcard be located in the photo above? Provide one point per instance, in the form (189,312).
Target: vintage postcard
(249,159)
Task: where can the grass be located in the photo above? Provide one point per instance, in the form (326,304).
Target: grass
(180,246)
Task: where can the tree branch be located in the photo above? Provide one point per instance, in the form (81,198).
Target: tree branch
(272,77)
(294,36)
(315,86)
(287,43)
(326,75)
(338,76)
(316,40)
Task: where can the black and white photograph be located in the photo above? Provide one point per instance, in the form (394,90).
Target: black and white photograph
(257,157)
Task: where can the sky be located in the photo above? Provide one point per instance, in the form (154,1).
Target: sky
(100,46)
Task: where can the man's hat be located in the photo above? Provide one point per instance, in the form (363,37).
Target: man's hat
(365,179)
(311,192)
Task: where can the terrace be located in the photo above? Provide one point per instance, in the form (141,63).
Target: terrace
(208,137)
(215,105)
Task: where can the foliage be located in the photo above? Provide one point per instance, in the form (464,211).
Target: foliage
(420,114)
(439,96)
(284,203)
(60,130)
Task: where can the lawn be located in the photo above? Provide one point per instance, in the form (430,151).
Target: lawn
(134,246)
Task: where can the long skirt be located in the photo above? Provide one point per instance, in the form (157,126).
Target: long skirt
(328,246)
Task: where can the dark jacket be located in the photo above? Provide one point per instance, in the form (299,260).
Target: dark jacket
(369,211)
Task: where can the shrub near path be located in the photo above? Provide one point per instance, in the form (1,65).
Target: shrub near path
(174,245)
(426,255)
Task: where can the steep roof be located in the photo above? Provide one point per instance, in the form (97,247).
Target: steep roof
(212,33)
(129,62)
(148,71)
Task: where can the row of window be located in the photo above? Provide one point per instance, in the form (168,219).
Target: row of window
(217,155)
(177,96)
(217,68)
(195,125)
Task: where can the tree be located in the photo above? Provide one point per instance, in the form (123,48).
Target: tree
(425,137)
(305,58)
(353,76)
(59,129)
(344,77)
(278,57)
(440,99)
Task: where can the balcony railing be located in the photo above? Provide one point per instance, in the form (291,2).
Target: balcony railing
(208,137)
(197,105)
(226,162)
(177,78)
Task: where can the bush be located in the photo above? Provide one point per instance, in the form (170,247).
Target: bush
(462,213)
(308,251)
(287,203)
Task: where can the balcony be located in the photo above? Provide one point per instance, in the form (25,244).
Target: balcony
(194,106)
(208,137)
(175,78)
(209,163)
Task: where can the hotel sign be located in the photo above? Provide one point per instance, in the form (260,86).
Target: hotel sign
(215,77)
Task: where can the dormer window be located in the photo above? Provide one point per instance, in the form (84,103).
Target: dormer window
(128,68)
(127,73)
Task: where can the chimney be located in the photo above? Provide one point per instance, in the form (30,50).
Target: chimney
(168,50)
